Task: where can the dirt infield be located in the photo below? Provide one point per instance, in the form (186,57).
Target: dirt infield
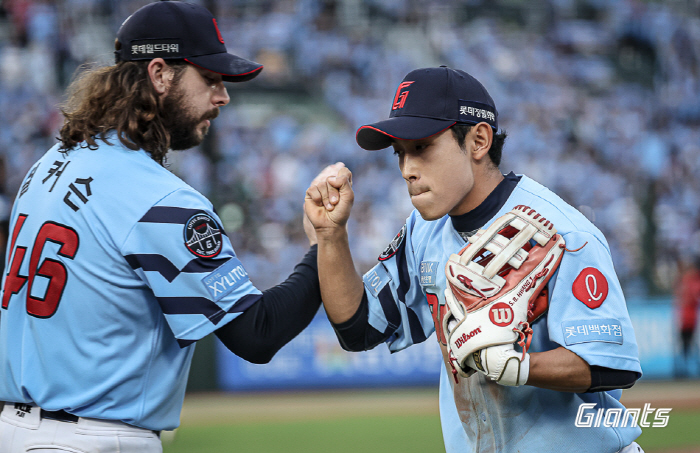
(220,408)
(678,395)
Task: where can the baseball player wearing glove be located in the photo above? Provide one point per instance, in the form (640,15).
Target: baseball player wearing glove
(117,267)
(517,285)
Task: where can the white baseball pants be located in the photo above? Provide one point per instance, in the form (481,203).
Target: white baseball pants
(25,431)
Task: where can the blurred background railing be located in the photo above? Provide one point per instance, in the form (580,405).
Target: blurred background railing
(601,101)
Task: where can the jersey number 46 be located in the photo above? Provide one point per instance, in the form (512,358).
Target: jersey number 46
(52,269)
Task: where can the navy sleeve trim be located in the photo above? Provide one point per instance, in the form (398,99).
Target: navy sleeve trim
(185,343)
(391,311)
(417,334)
(191,306)
(169,214)
(356,334)
(162,265)
(204,306)
(404,276)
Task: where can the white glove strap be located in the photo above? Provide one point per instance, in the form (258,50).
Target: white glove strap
(503,365)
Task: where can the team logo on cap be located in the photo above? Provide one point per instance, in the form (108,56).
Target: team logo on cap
(218,33)
(400,98)
(203,236)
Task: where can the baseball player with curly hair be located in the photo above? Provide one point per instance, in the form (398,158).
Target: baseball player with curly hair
(116,267)
(518,286)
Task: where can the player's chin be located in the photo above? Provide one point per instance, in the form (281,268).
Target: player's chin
(203,130)
(428,211)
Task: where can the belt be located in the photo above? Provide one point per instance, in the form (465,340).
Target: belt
(61,416)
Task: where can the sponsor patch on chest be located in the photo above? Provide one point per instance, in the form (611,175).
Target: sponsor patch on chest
(225,279)
(428,273)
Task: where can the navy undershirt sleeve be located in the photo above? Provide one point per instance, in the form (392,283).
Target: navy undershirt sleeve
(279,316)
(356,334)
(604,379)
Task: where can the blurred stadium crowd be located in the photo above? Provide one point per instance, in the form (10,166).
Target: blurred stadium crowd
(600,99)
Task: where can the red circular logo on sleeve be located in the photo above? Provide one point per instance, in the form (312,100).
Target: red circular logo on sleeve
(591,287)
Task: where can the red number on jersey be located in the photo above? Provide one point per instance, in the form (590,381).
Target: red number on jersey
(438,312)
(52,269)
(13,281)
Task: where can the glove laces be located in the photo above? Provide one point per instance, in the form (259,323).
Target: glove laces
(524,331)
(453,360)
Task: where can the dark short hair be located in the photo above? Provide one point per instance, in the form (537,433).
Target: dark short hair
(460,131)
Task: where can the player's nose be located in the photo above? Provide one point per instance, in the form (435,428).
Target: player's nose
(220,97)
(409,168)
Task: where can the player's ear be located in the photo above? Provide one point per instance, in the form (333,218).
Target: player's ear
(482,135)
(161,75)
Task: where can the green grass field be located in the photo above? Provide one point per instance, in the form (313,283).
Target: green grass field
(681,434)
(406,434)
(379,421)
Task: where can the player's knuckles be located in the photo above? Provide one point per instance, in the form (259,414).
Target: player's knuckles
(333,193)
(316,197)
(313,194)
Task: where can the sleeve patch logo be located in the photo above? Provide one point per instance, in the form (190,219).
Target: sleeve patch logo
(225,279)
(203,236)
(591,287)
(393,245)
(606,330)
(376,279)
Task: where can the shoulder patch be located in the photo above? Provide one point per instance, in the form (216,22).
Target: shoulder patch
(225,279)
(606,330)
(590,287)
(393,246)
(376,279)
(203,236)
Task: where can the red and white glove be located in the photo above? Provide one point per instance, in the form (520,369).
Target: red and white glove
(494,283)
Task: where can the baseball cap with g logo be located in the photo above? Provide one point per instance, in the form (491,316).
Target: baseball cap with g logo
(427,102)
(183,31)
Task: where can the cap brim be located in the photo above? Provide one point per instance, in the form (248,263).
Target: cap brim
(231,67)
(380,135)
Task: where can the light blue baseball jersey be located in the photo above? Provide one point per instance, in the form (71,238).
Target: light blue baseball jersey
(587,314)
(115,267)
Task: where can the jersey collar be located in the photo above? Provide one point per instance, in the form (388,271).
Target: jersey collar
(468,223)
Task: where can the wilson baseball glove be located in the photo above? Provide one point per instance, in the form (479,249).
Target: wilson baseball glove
(495,283)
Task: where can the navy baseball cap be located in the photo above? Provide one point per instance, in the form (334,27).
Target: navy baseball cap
(178,30)
(427,102)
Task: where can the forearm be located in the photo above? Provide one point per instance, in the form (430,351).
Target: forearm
(560,370)
(341,286)
(281,313)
